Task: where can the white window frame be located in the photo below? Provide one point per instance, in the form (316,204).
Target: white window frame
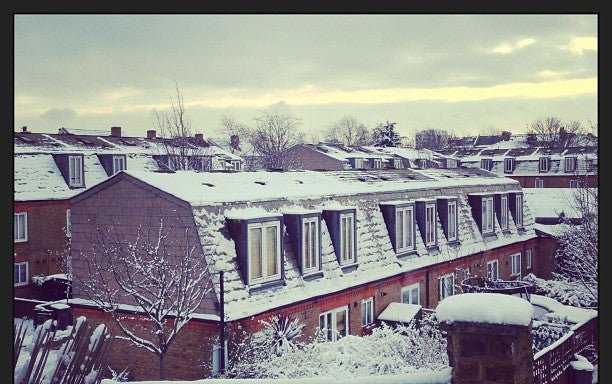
(488,213)
(119,163)
(430,224)
(444,282)
(519,210)
(333,331)
(503,214)
(451,163)
(493,269)
(68,222)
(574,184)
(404,241)
(465,273)
(307,253)
(347,253)
(17,223)
(264,256)
(377,163)
(539,183)
(544,164)
(528,258)
(570,164)
(358,163)
(509,165)
(515,265)
(408,292)
(75,179)
(234,165)
(367,311)
(486,164)
(17,282)
(452,222)
(397,163)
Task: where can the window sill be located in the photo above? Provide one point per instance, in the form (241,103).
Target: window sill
(267,285)
(407,254)
(21,241)
(309,276)
(489,236)
(349,267)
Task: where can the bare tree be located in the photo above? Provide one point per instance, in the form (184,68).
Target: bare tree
(348,131)
(434,139)
(180,149)
(234,132)
(552,132)
(273,135)
(154,273)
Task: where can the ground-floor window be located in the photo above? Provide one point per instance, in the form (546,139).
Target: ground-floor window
(411,294)
(334,323)
(20,274)
(367,311)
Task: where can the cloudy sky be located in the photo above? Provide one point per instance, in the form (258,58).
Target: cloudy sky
(466,74)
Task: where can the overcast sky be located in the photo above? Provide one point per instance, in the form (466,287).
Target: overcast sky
(466,74)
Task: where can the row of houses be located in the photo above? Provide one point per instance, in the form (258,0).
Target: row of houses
(532,167)
(333,247)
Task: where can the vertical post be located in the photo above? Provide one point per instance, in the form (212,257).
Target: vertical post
(222,325)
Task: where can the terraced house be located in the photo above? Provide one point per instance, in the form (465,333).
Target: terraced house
(333,249)
(49,169)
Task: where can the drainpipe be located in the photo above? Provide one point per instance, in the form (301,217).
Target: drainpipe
(427,288)
(222,325)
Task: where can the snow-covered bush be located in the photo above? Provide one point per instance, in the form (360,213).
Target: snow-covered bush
(566,292)
(388,350)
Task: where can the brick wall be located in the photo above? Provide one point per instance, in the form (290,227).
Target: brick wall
(44,251)
(556,181)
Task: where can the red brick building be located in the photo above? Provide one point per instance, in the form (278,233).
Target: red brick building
(328,248)
(51,168)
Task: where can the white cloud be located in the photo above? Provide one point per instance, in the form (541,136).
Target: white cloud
(578,45)
(509,48)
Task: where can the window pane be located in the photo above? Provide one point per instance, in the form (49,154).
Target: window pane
(314,244)
(399,228)
(22,273)
(271,254)
(255,243)
(408,219)
(340,323)
(16,273)
(415,296)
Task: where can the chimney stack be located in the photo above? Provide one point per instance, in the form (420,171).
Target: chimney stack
(116,131)
(151,134)
(199,138)
(24,129)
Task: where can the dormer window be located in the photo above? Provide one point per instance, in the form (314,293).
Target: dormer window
(426,219)
(118,163)
(377,163)
(516,207)
(258,248)
(483,211)
(509,165)
(397,163)
(399,219)
(570,164)
(447,210)
(304,229)
(544,164)
(358,163)
(75,171)
(343,231)
(451,163)
(501,210)
(486,164)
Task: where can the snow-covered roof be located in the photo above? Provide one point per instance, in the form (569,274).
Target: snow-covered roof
(210,188)
(399,312)
(483,307)
(552,202)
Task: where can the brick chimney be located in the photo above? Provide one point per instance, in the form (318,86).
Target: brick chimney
(151,134)
(24,129)
(199,138)
(116,131)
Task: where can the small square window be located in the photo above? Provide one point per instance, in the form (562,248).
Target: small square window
(411,294)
